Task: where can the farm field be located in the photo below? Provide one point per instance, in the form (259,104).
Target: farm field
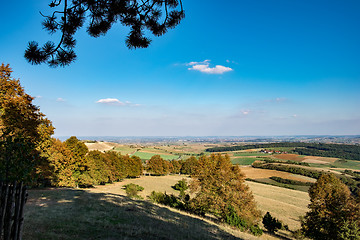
(148,155)
(285,204)
(286,157)
(247,154)
(243,160)
(101,146)
(124,150)
(348,164)
(258,173)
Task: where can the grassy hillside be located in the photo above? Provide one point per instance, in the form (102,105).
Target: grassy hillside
(104,212)
(78,214)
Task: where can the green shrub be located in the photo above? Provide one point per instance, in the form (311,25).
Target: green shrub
(256,230)
(156,197)
(168,200)
(233,219)
(132,190)
(271,224)
(181,186)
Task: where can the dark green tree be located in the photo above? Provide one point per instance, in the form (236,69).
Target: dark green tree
(270,223)
(68,16)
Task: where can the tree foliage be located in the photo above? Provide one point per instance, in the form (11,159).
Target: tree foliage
(133,166)
(24,130)
(71,164)
(63,165)
(176,166)
(219,187)
(334,213)
(68,16)
(189,165)
(158,166)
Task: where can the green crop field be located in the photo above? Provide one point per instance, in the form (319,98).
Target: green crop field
(248,154)
(243,161)
(147,155)
(350,164)
(125,150)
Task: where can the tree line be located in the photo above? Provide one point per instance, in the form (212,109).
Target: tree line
(71,164)
(345,151)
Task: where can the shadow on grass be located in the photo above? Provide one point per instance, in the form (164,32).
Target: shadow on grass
(78,214)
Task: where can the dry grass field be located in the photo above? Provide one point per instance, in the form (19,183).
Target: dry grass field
(319,160)
(291,157)
(258,173)
(69,214)
(101,146)
(104,212)
(286,204)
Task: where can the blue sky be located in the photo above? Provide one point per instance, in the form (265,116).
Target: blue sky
(233,68)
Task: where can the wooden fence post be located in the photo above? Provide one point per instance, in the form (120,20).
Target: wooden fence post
(12,202)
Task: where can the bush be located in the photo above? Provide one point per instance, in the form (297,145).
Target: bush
(233,219)
(256,230)
(168,200)
(271,224)
(156,197)
(132,190)
(181,186)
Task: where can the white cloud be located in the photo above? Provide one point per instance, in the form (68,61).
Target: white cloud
(60,99)
(204,67)
(110,101)
(116,102)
